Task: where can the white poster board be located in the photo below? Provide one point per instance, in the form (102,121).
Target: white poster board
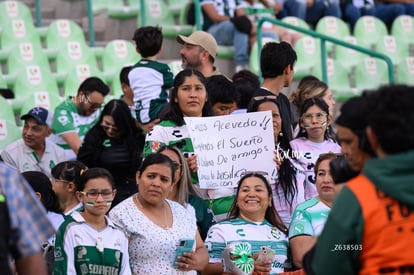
(228,146)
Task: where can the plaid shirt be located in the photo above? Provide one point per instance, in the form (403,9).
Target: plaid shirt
(28,219)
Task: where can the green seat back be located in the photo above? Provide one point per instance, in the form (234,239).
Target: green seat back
(403,29)
(17,31)
(77,75)
(370,73)
(333,27)
(25,53)
(117,54)
(32,79)
(405,71)
(157,13)
(394,50)
(59,33)
(10,10)
(309,55)
(369,31)
(348,58)
(6,110)
(71,54)
(9,133)
(338,79)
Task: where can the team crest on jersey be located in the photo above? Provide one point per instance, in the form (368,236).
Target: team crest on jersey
(63,120)
(275,233)
(155,146)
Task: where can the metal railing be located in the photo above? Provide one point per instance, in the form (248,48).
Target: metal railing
(323,39)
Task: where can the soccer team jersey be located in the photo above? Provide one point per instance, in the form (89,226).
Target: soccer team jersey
(67,119)
(150,81)
(309,152)
(257,234)
(309,218)
(81,249)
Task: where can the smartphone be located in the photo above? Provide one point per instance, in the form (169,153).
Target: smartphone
(184,245)
(266,253)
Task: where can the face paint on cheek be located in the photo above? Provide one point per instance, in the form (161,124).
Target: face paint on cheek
(109,202)
(90,203)
(307,126)
(323,123)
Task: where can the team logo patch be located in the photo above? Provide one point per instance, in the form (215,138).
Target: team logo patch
(275,233)
(155,146)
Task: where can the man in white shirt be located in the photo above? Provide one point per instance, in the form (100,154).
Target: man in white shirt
(33,152)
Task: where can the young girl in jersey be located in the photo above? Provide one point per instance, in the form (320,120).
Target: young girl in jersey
(88,242)
(313,138)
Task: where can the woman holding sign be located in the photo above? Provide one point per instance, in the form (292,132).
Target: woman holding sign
(289,186)
(252,219)
(188,98)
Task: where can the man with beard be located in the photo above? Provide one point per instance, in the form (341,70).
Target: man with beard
(199,52)
(33,152)
(74,117)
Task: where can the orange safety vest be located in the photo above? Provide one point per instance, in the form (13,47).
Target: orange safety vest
(388,234)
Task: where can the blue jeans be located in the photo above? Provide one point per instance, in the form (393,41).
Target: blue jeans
(226,34)
(352,13)
(311,15)
(388,12)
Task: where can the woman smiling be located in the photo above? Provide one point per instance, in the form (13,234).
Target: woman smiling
(252,219)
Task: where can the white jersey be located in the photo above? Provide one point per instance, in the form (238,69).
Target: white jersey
(81,249)
(308,152)
(309,218)
(23,158)
(257,234)
(304,191)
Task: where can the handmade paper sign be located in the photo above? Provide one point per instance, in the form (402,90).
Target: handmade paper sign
(228,146)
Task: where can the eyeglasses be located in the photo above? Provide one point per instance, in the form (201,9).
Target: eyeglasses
(93,194)
(64,181)
(271,97)
(321,116)
(94,105)
(176,165)
(107,127)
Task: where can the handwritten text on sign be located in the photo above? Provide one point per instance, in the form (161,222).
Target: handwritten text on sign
(228,146)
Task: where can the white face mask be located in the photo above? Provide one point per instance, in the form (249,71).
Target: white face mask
(238,259)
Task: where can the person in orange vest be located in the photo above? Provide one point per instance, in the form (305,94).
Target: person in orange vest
(370,227)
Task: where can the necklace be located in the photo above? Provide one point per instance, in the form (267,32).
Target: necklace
(165,225)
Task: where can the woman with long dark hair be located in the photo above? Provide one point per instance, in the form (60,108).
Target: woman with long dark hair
(116,144)
(289,187)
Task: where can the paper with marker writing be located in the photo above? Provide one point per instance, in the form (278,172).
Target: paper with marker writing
(228,146)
